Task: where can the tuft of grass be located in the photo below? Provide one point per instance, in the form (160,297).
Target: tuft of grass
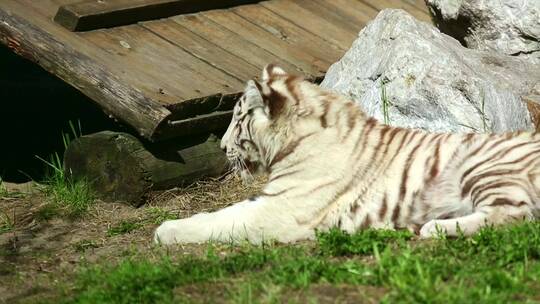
(494,266)
(83,245)
(47,212)
(142,282)
(483,112)
(7,223)
(385,102)
(72,197)
(7,194)
(339,243)
(155,215)
(68,195)
(125,226)
(159,215)
(3,190)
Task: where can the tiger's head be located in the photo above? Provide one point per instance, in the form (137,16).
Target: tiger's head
(263,119)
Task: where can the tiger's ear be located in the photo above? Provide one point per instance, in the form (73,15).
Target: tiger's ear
(272,70)
(253,94)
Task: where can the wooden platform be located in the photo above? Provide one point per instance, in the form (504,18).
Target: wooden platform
(182,74)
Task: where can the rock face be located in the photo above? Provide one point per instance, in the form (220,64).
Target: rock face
(510,27)
(428,80)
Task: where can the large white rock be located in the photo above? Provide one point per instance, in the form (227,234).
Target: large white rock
(509,27)
(431,81)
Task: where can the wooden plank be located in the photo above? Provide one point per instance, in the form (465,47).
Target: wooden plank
(353,10)
(308,65)
(92,14)
(290,32)
(120,50)
(414,11)
(313,23)
(132,75)
(230,41)
(144,75)
(71,60)
(326,12)
(214,121)
(134,46)
(419,4)
(63,2)
(203,49)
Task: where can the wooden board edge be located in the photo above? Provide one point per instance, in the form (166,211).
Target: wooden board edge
(80,17)
(207,123)
(116,98)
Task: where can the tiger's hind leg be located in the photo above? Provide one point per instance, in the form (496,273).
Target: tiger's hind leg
(496,211)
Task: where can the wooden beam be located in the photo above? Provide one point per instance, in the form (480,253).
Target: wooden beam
(94,14)
(213,122)
(75,64)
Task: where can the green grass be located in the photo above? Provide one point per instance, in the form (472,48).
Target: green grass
(155,215)
(7,194)
(494,266)
(483,112)
(125,226)
(83,245)
(72,197)
(385,102)
(3,190)
(6,222)
(67,195)
(158,215)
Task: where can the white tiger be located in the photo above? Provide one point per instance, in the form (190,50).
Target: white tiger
(330,165)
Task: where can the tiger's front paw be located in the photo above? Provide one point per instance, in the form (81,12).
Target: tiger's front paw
(168,233)
(431,229)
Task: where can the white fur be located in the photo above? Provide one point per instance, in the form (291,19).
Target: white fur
(337,176)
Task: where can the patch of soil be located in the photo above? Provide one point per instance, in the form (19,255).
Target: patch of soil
(217,292)
(38,254)
(327,293)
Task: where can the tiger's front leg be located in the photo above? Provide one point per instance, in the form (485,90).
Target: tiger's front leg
(253,220)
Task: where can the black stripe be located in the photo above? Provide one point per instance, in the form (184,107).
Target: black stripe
(408,163)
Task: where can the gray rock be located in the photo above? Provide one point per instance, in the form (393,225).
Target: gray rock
(509,27)
(430,80)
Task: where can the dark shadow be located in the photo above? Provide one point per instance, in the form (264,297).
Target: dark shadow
(36,108)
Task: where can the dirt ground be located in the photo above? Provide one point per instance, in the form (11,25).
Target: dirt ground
(40,252)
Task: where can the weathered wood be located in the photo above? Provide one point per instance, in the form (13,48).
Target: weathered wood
(419,4)
(120,168)
(336,34)
(290,32)
(174,68)
(92,14)
(355,11)
(202,49)
(410,8)
(68,62)
(326,12)
(230,40)
(213,122)
(308,64)
(142,79)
